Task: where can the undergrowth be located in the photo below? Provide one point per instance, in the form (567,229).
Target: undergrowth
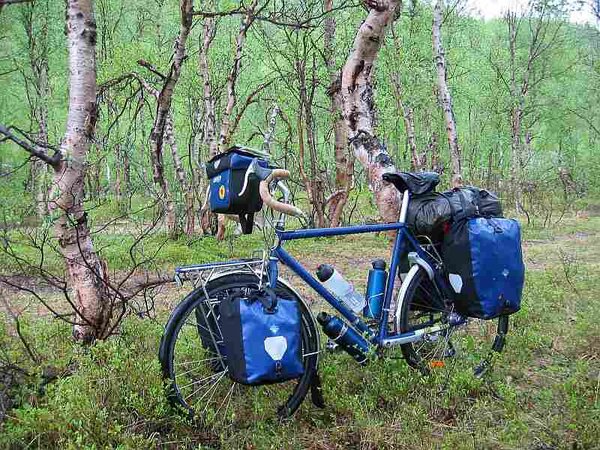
(542,393)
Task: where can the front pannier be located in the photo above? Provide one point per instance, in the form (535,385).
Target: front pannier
(262,337)
(485,267)
(232,190)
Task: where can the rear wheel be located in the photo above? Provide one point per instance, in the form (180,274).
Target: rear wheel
(461,342)
(192,360)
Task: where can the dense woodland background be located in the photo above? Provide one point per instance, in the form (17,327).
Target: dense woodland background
(288,65)
(525,90)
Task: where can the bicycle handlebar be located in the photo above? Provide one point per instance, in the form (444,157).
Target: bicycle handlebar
(268,199)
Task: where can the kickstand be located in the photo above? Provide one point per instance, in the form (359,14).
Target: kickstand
(481,368)
(316,391)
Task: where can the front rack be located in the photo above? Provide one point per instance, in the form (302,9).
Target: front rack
(200,274)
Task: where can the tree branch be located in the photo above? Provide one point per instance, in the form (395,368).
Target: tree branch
(35,150)
(151,68)
(249,100)
(12,2)
(274,19)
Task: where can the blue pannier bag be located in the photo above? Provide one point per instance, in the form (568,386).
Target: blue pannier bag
(485,267)
(232,190)
(262,337)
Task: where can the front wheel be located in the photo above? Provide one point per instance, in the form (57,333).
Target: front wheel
(459,342)
(192,358)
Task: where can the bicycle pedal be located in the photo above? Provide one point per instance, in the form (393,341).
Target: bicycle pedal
(316,392)
(481,369)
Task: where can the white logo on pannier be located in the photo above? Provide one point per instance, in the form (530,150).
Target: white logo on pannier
(276,347)
(456,282)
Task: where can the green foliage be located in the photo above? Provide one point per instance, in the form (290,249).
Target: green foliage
(561,112)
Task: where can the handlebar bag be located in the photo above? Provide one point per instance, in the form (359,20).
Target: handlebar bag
(231,190)
(484,262)
(262,337)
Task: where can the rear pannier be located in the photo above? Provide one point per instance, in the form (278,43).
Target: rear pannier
(232,189)
(485,267)
(481,251)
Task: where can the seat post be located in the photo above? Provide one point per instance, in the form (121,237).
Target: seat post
(404,207)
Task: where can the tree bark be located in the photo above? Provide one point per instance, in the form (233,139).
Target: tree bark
(210,119)
(87,274)
(190,223)
(271,129)
(225,133)
(417,159)
(207,218)
(163,107)
(358,108)
(434,156)
(344,160)
(37,46)
(445,97)
(315,185)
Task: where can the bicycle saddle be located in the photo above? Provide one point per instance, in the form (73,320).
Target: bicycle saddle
(415,183)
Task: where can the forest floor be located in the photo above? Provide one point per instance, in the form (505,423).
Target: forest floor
(543,392)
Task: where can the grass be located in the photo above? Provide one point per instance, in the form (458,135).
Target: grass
(543,392)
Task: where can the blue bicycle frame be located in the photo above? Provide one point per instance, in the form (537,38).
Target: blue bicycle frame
(404,241)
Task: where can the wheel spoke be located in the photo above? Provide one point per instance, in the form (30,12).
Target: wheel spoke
(208,378)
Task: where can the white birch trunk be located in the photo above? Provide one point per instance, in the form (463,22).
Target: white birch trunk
(87,274)
(445,97)
(358,108)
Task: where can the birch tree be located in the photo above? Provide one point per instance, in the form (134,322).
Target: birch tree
(359,108)
(445,98)
(159,127)
(525,75)
(87,273)
(344,160)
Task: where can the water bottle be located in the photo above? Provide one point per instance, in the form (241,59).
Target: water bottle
(346,337)
(375,289)
(338,286)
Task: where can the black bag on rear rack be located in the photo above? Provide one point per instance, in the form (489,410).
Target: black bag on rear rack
(232,190)
(427,213)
